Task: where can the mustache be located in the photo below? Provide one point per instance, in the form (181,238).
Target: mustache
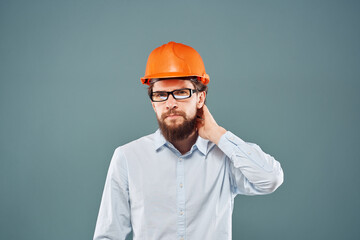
(173,112)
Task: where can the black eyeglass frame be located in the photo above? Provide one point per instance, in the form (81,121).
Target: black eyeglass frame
(172,93)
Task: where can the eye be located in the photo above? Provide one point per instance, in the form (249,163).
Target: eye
(182,92)
(159,95)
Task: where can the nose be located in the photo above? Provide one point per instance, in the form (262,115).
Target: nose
(171,103)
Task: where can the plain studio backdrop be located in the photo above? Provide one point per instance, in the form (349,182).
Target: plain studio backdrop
(283,74)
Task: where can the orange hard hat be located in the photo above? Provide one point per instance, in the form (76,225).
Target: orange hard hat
(174,60)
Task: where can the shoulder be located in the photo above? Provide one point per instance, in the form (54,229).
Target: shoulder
(138,144)
(121,153)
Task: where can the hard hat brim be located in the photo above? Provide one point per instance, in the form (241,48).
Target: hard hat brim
(146,79)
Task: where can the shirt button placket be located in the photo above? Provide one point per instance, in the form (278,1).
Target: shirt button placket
(180,178)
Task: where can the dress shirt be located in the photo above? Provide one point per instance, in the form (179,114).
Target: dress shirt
(160,194)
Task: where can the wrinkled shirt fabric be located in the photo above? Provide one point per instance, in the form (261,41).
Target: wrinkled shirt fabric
(160,194)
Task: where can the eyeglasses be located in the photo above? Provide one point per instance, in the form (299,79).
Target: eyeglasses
(178,94)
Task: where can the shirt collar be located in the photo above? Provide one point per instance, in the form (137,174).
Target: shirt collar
(159,139)
(201,143)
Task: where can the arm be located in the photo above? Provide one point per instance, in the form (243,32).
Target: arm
(251,170)
(113,222)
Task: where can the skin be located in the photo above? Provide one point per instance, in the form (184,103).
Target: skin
(207,127)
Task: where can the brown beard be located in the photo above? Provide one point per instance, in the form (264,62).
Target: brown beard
(179,132)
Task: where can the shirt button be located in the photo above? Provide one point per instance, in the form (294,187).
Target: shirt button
(181,238)
(181,213)
(180,159)
(181,185)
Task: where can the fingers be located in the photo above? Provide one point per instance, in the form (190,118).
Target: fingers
(206,111)
(205,108)
(207,115)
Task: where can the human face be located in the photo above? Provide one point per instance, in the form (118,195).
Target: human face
(177,118)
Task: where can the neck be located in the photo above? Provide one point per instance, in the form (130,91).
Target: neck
(183,146)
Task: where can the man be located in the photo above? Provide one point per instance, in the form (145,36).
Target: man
(180,182)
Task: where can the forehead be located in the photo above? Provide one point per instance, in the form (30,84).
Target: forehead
(172,84)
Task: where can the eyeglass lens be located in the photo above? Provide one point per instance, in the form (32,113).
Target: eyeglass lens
(177,94)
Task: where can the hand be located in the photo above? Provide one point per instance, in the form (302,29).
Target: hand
(207,126)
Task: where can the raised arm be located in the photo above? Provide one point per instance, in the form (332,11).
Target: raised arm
(252,171)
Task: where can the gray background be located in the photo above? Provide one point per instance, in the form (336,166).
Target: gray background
(284,74)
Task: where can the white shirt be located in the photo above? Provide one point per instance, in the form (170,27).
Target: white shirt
(162,195)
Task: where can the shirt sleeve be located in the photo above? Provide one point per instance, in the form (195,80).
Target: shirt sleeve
(252,172)
(113,222)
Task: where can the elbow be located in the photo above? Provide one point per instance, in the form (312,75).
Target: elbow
(275,181)
(270,183)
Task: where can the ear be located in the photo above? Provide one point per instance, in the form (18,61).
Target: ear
(201,99)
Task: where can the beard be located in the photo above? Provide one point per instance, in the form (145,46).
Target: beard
(177,132)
